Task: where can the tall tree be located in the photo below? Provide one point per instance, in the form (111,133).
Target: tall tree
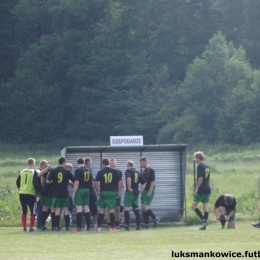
(8,50)
(214,95)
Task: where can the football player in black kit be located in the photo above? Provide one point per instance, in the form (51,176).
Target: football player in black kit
(93,195)
(109,180)
(60,177)
(112,163)
(227,206)
(148,193)
(46,201)
(133,178)
(81,193)
(202,190)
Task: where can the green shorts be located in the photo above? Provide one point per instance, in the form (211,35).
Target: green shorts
(118,201)
(130,199)
(107,199)
(145,200)
(204,198)
(233,217)
(60,202)
(46,201)
(82,197)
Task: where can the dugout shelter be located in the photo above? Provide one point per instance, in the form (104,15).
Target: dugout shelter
(168,161)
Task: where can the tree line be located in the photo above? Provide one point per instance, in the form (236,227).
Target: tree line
(172,71)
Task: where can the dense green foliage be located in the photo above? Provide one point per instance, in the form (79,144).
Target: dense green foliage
(164,69)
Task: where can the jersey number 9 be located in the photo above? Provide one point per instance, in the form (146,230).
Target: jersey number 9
(60,177)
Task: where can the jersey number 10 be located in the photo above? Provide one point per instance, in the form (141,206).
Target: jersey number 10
(108,177)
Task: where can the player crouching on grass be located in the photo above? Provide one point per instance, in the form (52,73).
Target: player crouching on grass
(227,206)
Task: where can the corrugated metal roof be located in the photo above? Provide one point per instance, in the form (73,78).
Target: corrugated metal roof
(159,147)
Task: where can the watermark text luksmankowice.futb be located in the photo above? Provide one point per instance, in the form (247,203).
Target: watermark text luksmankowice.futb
(246,254)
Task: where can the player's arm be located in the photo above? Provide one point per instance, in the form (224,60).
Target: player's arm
(200,180)
(123,185)
(71,180)
(70,183)
(151,189)
(118,189)
(215,213)
(142,188)
(44,170)
(122,182)
(152,182)
(35,182)
(128,183)
(50,178)
(96,184)
(96,188)
(230,214)
(217,205)
(76,186)
(119,183)
(18,181)
(42,180)
(143,183)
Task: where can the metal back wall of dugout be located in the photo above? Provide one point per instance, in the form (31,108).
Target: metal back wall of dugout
(168,161)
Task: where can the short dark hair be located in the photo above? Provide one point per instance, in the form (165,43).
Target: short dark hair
(229,199)
(62,160)
(143,158)
(105,161)
(80,160)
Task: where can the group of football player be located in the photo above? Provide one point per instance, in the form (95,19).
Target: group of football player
(45,192)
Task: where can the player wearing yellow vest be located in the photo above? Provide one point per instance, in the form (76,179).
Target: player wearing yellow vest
(27,182)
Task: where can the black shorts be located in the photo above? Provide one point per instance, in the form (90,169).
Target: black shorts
(30,201)
(92,203)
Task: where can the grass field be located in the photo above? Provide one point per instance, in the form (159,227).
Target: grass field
(145,244)
(234,170)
